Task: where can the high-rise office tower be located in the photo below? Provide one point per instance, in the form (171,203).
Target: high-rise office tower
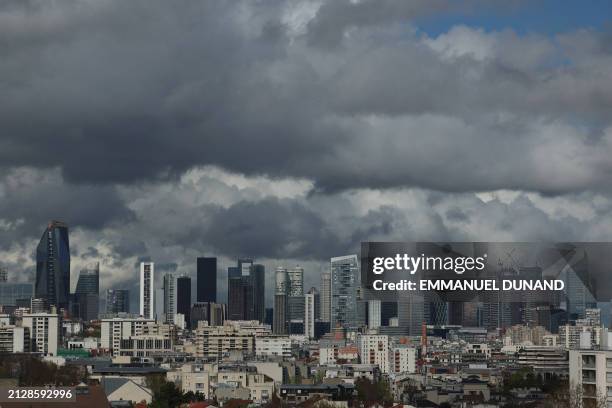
(117,301)
(53,265)
(374,313)
(169,298)
(325,297)
(295,314)
(206,280)
(183,298)
(578,286)
(290,283)
(87,292)
(11,294)
(279,323)
(147,290)
(296,281)
(309,315)
(246,291)
(158,304)
(317,305)
(345,287)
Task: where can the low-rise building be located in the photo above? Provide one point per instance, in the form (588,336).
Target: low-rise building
(14,339)
(273,346)
(295,394)
(591,372)
(217,341)
(45,332)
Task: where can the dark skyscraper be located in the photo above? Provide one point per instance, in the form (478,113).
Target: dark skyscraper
(53,265)
(207,280)
(87,293)
(183,297)
(246,291)
(117,301)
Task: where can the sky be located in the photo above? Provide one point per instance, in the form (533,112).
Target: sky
(290,131)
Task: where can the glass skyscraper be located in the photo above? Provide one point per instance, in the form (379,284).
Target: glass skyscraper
(246,291)
(206,279)
(183,297)
(169,298)
(87,292)
(53,265)
(117,301)
(10,293)
(345,289)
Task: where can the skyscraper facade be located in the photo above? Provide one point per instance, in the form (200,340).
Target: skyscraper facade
(326,297)
(206,280)
(147,290)
(117,301)
(183,298)
(317,302)
(53,265)
(246,291)
(169,298)
(279,320)
(87,292)
(374,313)
(345,287)
(3,274)
(296,281)
(309,315)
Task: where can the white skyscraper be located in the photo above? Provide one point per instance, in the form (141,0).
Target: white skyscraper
(309,315)
(147,290)
(374,314)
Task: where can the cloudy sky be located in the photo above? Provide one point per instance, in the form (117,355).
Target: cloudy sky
(290,131)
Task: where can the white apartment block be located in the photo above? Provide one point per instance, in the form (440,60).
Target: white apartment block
(217,341)
(14,339)
(374,349)
(569,336)
(194,377)
(591,371)
(273,346)
(115,330)
(44,332)
(402,359)
(327,355)
(144,345)
(251,326)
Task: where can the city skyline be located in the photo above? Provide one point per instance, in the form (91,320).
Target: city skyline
(315,144)
(354,203)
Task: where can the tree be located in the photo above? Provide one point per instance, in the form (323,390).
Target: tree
(168,396)
(576,396)
(371,391)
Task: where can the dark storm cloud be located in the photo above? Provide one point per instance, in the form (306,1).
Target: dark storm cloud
(271,228)
(32,199)
(318,130)
(118,91)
